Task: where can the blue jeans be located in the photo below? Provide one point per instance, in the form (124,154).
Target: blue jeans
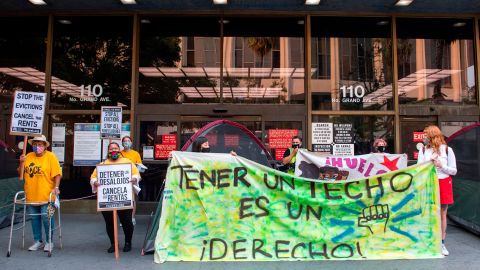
(37,221)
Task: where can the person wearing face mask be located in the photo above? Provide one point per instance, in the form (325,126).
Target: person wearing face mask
(379,146)
(290,155)
(134,156)
(200,144)
(436,149)
(42,174)
(125,216)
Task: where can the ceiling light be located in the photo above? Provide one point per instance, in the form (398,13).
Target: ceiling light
(144,21)
(65,21)
(220,2)
(403,3)
(128,2)
(301,22)
(381,23)
(459,24)
(312,2)
(37,2)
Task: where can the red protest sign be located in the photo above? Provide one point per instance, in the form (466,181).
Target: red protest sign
(281,138)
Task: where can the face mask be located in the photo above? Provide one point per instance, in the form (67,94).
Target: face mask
(205,150)
(114,155)
(381,149)
(38,149)
(127,145)
(295,145)
(425,141)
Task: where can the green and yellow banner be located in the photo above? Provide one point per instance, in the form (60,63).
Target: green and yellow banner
(217,207)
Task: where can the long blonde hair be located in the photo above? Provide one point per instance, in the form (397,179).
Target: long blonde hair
(435,138)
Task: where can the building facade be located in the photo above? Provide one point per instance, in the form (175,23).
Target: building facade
(376,70)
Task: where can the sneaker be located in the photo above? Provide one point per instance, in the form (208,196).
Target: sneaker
(36,246)
(134,221)
(444,250)
(48,247)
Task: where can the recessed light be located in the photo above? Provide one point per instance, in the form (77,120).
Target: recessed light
(459,24)
(224,21)
(128,2)
(65,21)
(301,22)
(37,2)
(312,2)
(220,2)
(403,3)
(382,23)
(145,21)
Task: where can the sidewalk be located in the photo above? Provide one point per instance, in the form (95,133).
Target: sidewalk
(85,243)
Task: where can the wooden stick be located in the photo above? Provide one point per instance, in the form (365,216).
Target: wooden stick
(24,151)
(115,232)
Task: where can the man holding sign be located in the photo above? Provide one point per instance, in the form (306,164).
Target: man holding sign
(113,180)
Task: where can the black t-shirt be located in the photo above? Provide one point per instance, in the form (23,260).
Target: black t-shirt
(287,153)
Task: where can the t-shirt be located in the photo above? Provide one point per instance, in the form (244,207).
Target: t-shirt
(39,173)
(133,155)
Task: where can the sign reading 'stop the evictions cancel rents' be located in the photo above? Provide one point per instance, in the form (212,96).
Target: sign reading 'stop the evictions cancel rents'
(111,122)
(28,113)
(115,189)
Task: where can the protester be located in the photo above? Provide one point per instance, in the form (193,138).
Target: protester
(200,144)
(379,145)
(134,156)
(443,157)
(125,216)
(42,174)
(290,155)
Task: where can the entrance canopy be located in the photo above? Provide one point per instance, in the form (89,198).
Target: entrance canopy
(224,136)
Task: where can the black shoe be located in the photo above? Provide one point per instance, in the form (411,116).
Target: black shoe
(127,247)
(111,249)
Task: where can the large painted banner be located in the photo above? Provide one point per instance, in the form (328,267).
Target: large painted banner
(335,168)
(217,207)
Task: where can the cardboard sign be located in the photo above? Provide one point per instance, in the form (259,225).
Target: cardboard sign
(111,122)
(115,190)
(28,113)
(281,138)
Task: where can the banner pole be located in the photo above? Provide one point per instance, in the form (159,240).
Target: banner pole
(115,232)
(24,151)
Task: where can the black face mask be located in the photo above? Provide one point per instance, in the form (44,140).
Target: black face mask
(205,150)
(381,149)
(296,145)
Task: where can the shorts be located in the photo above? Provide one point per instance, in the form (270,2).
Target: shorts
(446,190)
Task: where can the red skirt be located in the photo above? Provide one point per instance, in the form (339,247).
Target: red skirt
(446,190)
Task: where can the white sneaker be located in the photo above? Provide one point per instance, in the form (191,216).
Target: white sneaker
(134,221)
(36,246)
(48,247)
(444,251)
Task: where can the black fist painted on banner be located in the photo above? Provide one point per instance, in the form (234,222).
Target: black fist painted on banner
(375,218)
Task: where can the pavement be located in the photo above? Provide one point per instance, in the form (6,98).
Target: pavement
(85,243)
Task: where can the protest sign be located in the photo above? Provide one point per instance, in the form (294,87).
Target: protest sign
(28,113)
(217,207)
(111,122)
(334,168)
(115,190)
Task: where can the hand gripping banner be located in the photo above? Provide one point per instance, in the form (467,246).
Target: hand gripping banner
(217,207)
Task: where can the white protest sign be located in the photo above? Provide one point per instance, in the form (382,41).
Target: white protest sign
(111,122)
(343,149)
(115,190)
(28,113)
(322,133)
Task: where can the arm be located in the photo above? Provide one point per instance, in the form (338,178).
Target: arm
(286,159)
(20,165)
(421,156)
(56,189)
(93,181)
(451,167)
